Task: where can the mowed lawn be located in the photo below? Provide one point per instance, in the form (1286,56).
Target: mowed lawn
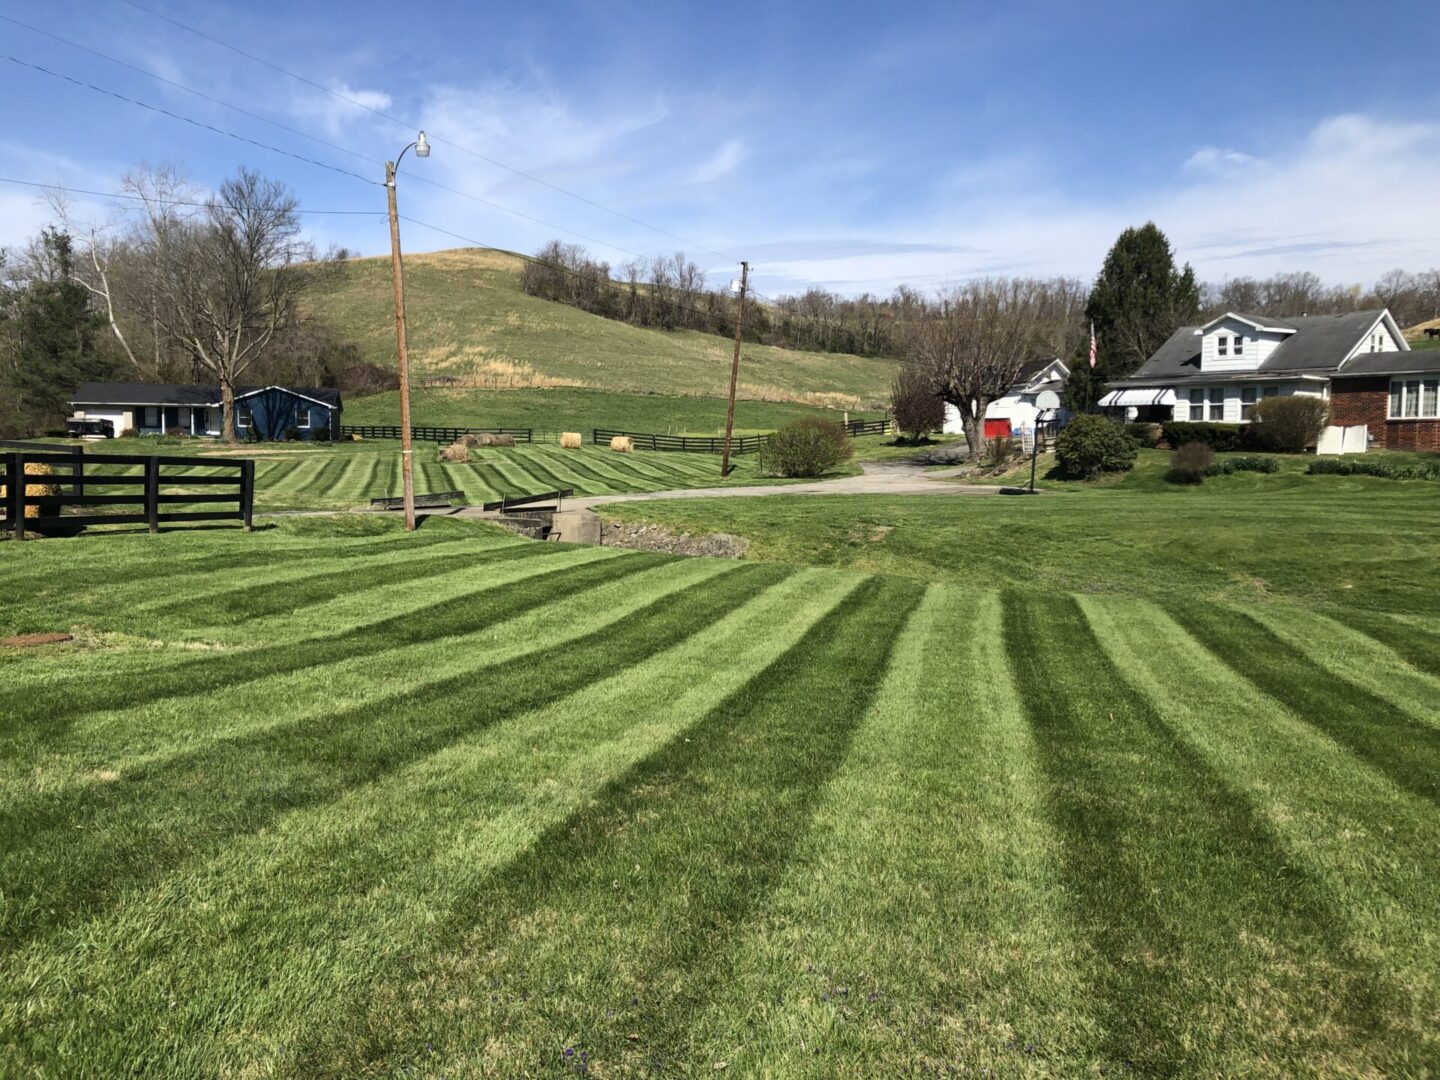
(333,800)
(343,475)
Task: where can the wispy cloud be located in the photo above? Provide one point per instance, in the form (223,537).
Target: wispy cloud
(725,159)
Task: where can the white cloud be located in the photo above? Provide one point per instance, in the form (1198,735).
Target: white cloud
(1212,159)
(730,154)
(340,114)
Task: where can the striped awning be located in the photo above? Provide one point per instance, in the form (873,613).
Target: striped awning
(1138,397)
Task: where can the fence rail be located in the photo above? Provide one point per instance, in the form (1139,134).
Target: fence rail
(432,434)
(90,485)
(690,444)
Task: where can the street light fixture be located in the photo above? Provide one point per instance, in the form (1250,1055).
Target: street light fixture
(407,459)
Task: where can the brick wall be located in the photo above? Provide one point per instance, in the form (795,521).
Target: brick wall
(1366,401)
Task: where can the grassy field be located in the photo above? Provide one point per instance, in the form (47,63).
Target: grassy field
(568,409)
(296,476)
(468,317)
(1106,783)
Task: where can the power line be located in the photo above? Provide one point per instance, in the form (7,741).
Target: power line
(185,119)
(433,138)
(170,202)
(306,135)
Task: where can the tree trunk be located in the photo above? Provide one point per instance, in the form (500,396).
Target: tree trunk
(974,434)
(227,411)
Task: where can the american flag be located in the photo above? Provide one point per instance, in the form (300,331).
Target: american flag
(1092,344)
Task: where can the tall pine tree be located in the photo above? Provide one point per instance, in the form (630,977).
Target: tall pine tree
(1138,301)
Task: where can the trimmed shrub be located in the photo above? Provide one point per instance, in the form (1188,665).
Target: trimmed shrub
(1245,463)
(1219,437)
(1389,470)
(129,433)
(1144,433)
(1000,450)
(1091,445)
(1289,425)
(806,446)
(570,440)
(1192,463)
(176,433)
(622,444)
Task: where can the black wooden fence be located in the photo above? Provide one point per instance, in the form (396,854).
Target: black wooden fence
(144,497)
(692,444)
(855,428)
(431,434)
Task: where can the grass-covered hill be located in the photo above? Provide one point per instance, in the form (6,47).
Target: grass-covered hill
(469,319)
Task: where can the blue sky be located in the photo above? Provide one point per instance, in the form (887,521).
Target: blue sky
(844,145)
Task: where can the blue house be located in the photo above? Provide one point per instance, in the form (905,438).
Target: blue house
(264,412)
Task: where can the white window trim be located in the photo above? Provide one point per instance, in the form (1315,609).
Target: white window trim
(1222,344)
(1238,341)
(302,418)
(1403,384)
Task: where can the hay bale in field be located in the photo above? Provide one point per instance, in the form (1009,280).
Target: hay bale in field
(622,444)
(471,441)
(355,436)
(570,440)
(36,468)
(456,453)
(497,440)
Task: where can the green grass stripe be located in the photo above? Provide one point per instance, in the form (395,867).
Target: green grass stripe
(1366,841)
(618,480)
(1202,932)
(922,923)
(1404,748)
(431,832)
(113,742)
(235,786)
(1417,645)
(56,706)
(663,870)
(571,463)
(1357,658)
(245,602)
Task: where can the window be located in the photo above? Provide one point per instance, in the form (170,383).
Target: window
(302,418)
(1222,345)
(1197,405)
(1415,399)
(1247,401)
(242,416)
(1239,344)
(1217,405)
(150,416)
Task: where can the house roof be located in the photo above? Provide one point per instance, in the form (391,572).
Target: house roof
(107,393)
(1260,322)
(1417,362)
(1319,344)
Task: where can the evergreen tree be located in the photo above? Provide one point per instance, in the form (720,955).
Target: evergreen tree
(51,334)
(1138,301)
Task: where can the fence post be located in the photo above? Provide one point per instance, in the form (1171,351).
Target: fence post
(15,493)
(247,492)
(152,493)
(78,478)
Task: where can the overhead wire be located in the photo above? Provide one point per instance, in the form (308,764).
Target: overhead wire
(168,202)
(437,138)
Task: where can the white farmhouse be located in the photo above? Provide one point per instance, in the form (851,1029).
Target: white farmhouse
(1034,399)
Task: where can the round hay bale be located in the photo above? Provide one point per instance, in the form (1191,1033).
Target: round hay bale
(456,453)
(36,468)
(500,440)
(471,441)
(355,436)
(570,440)
(622,444)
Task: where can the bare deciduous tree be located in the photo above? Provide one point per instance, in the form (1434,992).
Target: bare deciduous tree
(972,341)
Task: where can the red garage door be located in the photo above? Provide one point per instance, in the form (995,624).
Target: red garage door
(997,429)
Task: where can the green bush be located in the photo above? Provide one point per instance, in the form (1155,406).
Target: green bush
(806,446)
(1091,445)
(1192,463)
(292,434)
(1289,425)
(1219,437)
(1245,463)
(1144,433)
(1390,470)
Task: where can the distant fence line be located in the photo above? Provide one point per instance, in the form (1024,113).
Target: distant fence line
(85,485)
(643,440)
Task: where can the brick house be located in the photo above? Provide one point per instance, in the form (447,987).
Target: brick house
(1357,360)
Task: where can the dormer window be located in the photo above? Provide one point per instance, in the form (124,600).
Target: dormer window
(1239,344)
(1222,345)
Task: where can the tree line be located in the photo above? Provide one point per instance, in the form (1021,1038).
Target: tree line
(175,288)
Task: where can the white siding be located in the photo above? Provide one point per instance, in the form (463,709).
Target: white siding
(1377,339)
(1258,346)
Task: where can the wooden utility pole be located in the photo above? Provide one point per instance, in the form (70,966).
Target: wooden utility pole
(407,460)
(735,368)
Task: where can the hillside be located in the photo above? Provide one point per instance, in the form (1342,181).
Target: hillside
(1415,335)
(469,319)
